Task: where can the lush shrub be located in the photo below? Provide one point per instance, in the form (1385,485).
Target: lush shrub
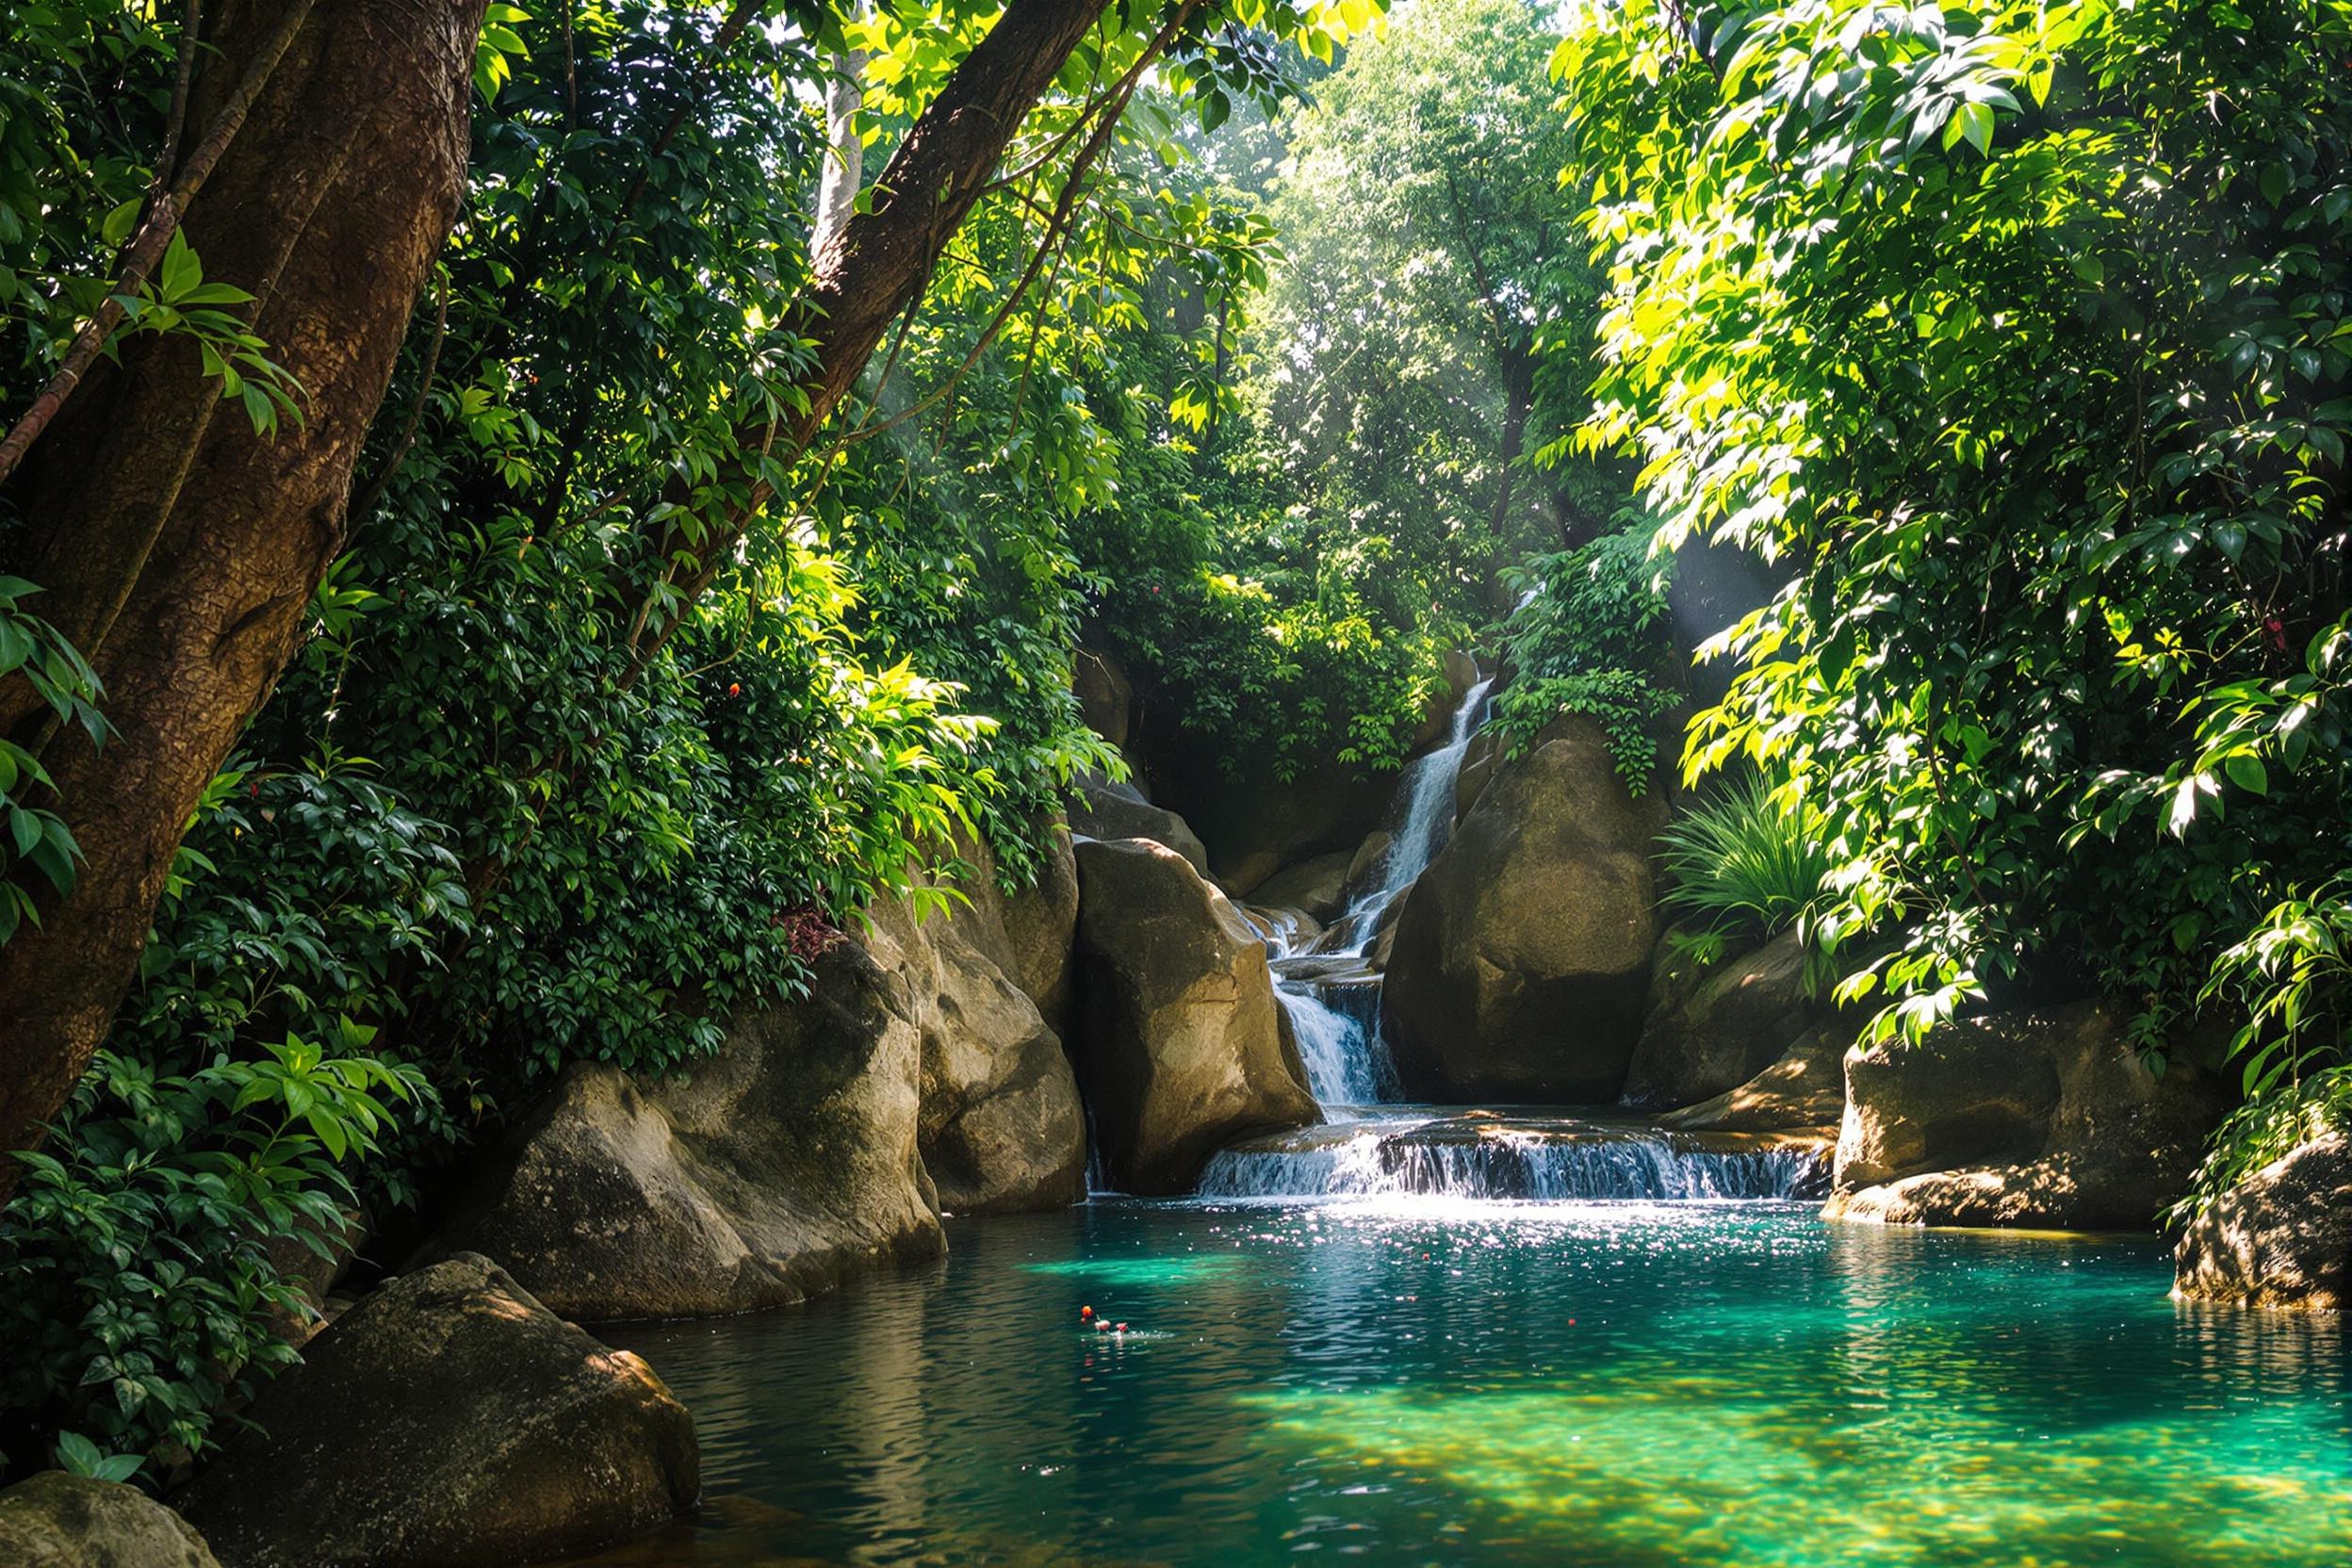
(2026,358)
(1589,638)
(1748,859)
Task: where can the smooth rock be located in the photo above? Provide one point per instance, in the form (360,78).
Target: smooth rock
(1101,810)
(449,1420)
(1312,887)
(1475,771)
(56,1520)
(1803,1091)
(2281,1238)
(772,1171)
(1001,1125)
(2045,1120)
(1707,1029)
(1367,864)
(1523,953)
(1181,1045)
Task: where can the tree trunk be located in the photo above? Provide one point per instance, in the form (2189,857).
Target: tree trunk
(845,164)
(178,548)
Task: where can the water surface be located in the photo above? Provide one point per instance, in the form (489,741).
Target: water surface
(1429,1380)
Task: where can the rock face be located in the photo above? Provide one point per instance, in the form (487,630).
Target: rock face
(2281,1238)
(1477,771)
(1805,1091)
(2039,1119)
(1709,1029)
(1001,1125)
(447,1419)
(1107,699)
(1258,829)
(1183,1048)
(1523,953)
(777,1168)
(1312,886)
(53,1520)
(1101,810)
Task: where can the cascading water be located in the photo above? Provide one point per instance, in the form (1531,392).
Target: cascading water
(1334,1007)
(1370,1145)
(1483,1155)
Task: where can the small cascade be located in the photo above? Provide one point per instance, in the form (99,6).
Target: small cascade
(1457,1156)
(1333,1001)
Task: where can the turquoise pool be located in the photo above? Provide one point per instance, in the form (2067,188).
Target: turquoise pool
(1419,1381)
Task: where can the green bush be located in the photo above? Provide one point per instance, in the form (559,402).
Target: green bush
(1748,859)
(1589,638)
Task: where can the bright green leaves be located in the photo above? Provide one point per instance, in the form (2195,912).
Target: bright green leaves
(2058,538)
(497,47)
(179,300)
(34,839)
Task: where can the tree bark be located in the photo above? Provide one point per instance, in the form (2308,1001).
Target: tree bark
(177,548)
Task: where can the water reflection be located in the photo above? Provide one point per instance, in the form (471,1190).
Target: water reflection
(1418,1380)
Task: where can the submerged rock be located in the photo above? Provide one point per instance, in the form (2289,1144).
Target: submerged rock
(54,1520)
(1181,1042)
(1101,810)
(1523,953)
(1707,1029)
(2044,1120)
(1803,1091)
(772,1172)
(448,1420)
(2281,1238)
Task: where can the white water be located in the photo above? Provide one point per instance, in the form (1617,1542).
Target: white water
(1338,1026)
(1551,1159)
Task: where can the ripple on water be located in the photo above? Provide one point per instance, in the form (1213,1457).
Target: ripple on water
(1409,1380)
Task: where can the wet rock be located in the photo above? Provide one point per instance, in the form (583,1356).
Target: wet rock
(2041,1119)
(1523,953)
(1312,887)
(1181,1045)
(1367,863)
(2281,1238)
(772,1171)
(1101,810)
(1707,1029)
(448,1420)
(1477,771)
(1805,1091)
(56,1520)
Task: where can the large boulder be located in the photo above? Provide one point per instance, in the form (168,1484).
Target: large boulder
(54,1520)
(1256,827)
(2041,1119)
(1001,1125)
(2281,1238)
(1709,1028)
(1523,953)
(1181,1041)
(1101,810)
(448,1420)
(770,1172)
(1805,1091)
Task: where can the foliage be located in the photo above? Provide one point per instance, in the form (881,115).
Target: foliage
(2292,975)
(2028,359)
(1747,860)
(139,1292)
(520,799)
(36,837)
(1589,638)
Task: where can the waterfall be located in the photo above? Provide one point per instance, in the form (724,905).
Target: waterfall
(1335,1012)
(1455,1157)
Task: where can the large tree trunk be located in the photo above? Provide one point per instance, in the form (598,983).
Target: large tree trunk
(178,548)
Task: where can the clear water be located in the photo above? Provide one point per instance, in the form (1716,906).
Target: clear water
(1560,1385)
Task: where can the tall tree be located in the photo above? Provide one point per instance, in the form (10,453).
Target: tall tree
(177,546)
